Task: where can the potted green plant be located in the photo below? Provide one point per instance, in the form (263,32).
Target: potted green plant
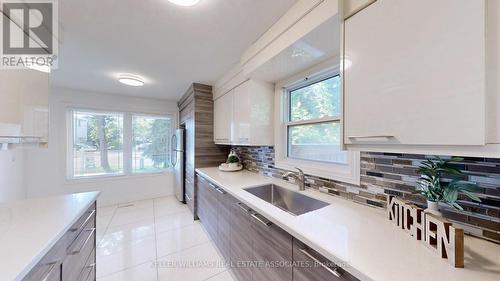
(436,189)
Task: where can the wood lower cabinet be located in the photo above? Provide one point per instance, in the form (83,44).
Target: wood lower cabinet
(207,207)
(224,222)
(309,265)
(257,249)
(73,257)
(241,251)
(272,250)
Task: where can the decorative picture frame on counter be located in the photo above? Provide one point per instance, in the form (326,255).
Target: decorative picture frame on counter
(435,232)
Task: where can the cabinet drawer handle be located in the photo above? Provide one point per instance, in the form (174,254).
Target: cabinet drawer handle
(187,197)
(52,266)
(221,191)
(80,228)
(91,234)
(222,139)
(372,137)
(212,186)
(261,219)
(333,271)
(243,207)
(90,268)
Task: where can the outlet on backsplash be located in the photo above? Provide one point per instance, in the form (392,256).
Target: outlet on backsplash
(385,174)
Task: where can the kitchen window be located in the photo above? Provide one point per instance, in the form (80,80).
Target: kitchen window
(117,143)
(151,136)
(310,128)
(313,125)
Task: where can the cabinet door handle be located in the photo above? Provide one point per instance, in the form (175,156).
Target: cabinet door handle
(372,137)
(333,271)
(91,234)
(243,207)
(87,276)
(213,186)
(52,266)
(80,228)
(261,219)
(221,191)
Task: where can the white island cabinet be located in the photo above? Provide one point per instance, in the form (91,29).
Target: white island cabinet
(415,73)
(244,115)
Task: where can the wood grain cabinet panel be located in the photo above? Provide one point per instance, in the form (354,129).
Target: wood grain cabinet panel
(272,248)
(196,117)
(73,256)
(241,253)
(208,208)
(311,266)
(224,221)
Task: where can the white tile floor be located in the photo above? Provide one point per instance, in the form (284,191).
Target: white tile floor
(155,240)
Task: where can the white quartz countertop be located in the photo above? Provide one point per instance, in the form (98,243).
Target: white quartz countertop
(361,238)
(30,228)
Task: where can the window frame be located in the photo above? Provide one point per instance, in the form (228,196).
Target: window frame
(127,143)
(288,123)
(344,172)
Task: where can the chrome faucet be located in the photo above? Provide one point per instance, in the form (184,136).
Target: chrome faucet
(299,178)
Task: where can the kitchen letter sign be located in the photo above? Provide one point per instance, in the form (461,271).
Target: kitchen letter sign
(435,232)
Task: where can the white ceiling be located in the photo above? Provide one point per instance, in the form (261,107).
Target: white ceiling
(170,46)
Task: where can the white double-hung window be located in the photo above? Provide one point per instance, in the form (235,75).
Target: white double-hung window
(310,129)
(117,143)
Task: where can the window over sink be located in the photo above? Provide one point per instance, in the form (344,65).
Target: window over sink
(310,127)
(313,125)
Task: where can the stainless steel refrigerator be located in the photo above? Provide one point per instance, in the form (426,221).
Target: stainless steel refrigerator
(177,161)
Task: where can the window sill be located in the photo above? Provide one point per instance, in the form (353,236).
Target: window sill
(116,177)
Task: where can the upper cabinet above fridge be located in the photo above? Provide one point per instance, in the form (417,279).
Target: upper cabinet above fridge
(411,79)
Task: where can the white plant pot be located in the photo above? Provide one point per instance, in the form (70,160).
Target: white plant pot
(433,208)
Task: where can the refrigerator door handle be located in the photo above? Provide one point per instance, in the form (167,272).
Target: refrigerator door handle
(173,153)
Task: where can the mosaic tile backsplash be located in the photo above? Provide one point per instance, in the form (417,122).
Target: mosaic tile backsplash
(391,173)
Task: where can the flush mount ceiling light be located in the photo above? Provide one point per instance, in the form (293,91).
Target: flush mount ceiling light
(131,80)
(185,3)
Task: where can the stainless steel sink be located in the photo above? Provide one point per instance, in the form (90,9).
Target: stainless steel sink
(287,200)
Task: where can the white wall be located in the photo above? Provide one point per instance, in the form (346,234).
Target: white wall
(45,169)
(11,175)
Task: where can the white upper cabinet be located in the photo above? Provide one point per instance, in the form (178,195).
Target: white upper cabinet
(415,73)
(253,112)
(493,71)
(244,115)
(223,117)
(24,113)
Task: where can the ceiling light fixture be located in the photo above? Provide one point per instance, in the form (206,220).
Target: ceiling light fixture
(185,3)
(131,80)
